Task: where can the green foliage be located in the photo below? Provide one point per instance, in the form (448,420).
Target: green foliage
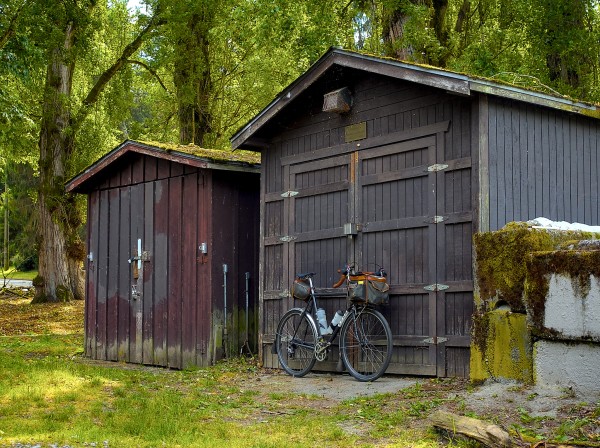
(252,49)
(548,45)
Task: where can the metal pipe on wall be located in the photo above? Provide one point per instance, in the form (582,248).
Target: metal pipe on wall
(246,342)
(225,338)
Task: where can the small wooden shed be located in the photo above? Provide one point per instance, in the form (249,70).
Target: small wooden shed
(172,268)
(380,162)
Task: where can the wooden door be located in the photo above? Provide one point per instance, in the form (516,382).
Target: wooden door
(114,279)
(404,205)
(396,201)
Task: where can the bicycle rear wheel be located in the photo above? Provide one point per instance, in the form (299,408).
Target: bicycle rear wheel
(366,344)
(295,342)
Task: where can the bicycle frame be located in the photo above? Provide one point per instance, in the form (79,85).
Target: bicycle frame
(300,341)
(312,307)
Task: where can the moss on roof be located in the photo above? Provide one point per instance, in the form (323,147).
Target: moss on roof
(535,85)
(216,155)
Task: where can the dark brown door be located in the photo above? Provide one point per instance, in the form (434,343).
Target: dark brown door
(396,201)
(405,206)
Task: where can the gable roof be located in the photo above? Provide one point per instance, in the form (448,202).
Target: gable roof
(192,155)
(430,76)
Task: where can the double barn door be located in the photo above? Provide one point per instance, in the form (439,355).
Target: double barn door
(404,205)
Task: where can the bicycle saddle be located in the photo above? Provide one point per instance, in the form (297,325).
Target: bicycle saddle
(307,275)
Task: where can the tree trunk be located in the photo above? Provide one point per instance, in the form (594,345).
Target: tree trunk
(192,77)
(484,432)
(564,19)
(393,32)
(393,23)
(60,276)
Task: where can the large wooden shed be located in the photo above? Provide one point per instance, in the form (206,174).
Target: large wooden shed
(172,268)
(380,162)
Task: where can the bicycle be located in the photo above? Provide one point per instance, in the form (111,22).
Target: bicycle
(365,334)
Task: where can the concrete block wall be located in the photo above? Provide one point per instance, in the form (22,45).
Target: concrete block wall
(571,359)
(569,313)
(567,365)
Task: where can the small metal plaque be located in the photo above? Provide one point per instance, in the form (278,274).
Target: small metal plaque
(289,194)
(287,239)
(355,132)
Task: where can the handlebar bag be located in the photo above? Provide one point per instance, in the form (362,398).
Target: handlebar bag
(377,290)
(370,289)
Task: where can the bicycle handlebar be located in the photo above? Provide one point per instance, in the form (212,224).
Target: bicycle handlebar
(349,271)
(340,282)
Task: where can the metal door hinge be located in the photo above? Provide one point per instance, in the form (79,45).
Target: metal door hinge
(435,340)
(436,219)
(289,194)
(437,167)
(436,287)
(287,238)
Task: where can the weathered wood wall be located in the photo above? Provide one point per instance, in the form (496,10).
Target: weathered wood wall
(381,183)
(542,162)
(164,316)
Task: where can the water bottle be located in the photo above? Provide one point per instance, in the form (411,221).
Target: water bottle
(337,319)
(325,329)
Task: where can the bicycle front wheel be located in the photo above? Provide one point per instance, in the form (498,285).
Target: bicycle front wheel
(295,342)
(366,344)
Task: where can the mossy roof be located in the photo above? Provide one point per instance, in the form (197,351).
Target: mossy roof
(215,155)
(220,159)
(534,86)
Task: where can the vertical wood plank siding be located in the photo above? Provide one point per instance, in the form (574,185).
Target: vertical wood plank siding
(543,162)
(388,190)
(165,316)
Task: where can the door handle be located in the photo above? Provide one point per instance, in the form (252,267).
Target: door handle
(136,260)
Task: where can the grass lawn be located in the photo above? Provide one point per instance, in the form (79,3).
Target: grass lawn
(13,274)
(51,396)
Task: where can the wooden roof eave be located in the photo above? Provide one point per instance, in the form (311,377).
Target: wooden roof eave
(443,79)
(78,183)
(538,98)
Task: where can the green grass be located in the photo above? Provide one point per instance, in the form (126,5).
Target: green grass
(13,274)
(49,394)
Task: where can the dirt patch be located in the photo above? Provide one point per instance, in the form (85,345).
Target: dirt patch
(331,387)
(530,414)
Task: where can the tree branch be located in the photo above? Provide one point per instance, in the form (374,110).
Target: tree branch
(151,70)
(105,77)
(12,27)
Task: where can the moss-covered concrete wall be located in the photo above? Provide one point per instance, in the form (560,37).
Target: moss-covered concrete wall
(510,282)
(508,350)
